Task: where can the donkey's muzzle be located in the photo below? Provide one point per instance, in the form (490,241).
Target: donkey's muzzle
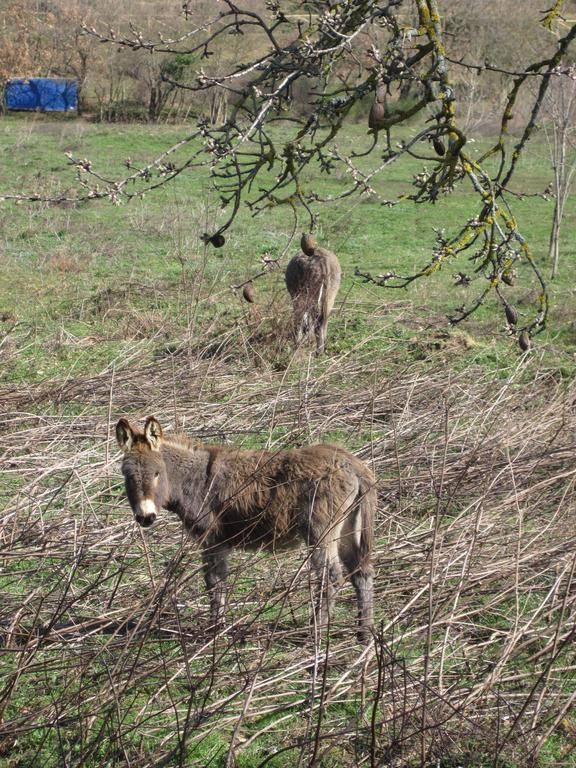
(146,520)
(145,513)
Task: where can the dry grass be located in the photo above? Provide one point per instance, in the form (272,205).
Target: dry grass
(107,658)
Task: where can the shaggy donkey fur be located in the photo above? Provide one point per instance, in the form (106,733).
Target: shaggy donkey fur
(320,494)
(312,279)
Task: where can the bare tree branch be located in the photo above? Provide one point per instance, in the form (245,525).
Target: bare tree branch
(389,45)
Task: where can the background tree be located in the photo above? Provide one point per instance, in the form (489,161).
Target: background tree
(157,75)
(22,44)
(71,50)
(560,129)
(45,40)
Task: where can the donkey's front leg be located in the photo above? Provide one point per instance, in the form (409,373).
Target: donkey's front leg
(215,564)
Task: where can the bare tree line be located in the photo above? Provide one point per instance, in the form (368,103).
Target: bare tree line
(49,39)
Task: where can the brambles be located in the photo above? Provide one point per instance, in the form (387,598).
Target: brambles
(478,459)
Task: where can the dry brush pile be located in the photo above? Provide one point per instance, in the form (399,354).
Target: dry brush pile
(105,655)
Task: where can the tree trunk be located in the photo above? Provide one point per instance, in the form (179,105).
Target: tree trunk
(554,243)
(561,192)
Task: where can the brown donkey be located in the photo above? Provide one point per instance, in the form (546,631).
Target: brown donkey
(227,497)
(312,279)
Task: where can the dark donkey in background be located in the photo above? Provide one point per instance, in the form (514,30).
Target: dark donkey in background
(227,497)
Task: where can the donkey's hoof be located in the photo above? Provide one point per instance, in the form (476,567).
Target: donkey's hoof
(215,627)
(365,635)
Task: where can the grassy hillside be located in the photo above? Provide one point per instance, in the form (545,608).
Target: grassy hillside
(110,311)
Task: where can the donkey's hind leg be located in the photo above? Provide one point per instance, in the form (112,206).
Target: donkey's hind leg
(215,565)
(321,332)
(361,574)
(303,328)
(300,319)
(363,583)
(328,570)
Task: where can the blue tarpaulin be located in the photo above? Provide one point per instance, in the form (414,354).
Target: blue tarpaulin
(42,93)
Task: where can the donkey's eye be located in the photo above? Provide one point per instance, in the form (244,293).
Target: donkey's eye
(156,474)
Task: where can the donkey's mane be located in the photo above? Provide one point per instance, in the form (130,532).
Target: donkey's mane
(180,440)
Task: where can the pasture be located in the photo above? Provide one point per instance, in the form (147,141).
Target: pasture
(109,311)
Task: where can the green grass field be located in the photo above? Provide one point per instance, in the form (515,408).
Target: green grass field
(122,310)
(62,263)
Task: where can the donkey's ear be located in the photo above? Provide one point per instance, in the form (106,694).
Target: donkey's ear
(124,434)
(153,433)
